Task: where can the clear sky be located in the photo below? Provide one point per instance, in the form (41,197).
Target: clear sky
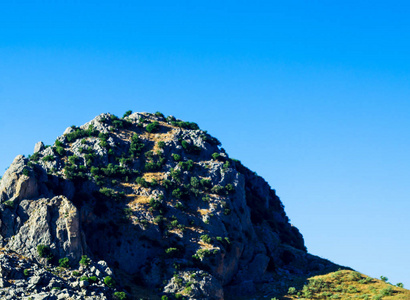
(312,95)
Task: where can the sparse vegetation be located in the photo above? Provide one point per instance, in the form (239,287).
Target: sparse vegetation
(120,296)
(84,261)
(345,284)
(153,127)
(48,158)
(64,262)
(127,113)
(109,281)
(44,251)
(79,133)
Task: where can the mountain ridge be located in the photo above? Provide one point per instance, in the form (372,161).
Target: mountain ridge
(158,203)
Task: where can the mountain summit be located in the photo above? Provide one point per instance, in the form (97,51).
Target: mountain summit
(146,207)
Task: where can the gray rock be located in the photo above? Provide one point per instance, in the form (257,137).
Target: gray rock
(52,222)
(84,284)
(39,146)
(15,186)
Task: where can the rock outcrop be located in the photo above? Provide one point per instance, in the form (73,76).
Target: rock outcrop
(159,200)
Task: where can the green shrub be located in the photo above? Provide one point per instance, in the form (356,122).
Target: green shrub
(172,252)
(292,290)
(64,262)
(164,297)
(109,281)
(153,127)
(195,182)
(158,114)
(83,278)
(187,165)
(76,273)
(79,133)
(26,272)
(206,183)
(201,254)
(84,261)
(229,188)
(127,113)
(217,189)
(120,296)
(154,166)
(26,172)
(167,184)
(190,148)
(34,157)
(48,158)
(161,144)
(110,193)
(154,204)
(185,125)
(176,157)
(93,279)
(177,193)
(142,182)
(387,291)
(225,166)
(9,203)
(354,276)
(216,156)
(176,175)
(60,150)
(306,292)
(179,205)
(400,285)
(384,279)
(57,143)
(206,238)
(136,146)
(44,251)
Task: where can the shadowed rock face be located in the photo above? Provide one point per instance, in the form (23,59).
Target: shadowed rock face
(153,197)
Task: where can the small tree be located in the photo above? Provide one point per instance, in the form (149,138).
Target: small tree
(127,113)
(44,251)
(109,281)
(161,144)
(120,296)
(85,261)
(64,262)
(176,157)
(153,127)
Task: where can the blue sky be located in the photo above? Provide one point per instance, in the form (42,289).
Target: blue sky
(312,95)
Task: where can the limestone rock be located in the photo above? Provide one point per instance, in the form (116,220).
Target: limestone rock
(38,147)
(52,222)
(15,185)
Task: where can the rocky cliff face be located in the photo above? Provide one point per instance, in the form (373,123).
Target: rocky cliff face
(159,201)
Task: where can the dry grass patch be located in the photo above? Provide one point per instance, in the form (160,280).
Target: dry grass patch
(158,176)
(138,200)
(348,285)
(203,212)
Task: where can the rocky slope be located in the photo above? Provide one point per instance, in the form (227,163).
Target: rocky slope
(154,204)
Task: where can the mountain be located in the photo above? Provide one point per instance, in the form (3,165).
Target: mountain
(146,207)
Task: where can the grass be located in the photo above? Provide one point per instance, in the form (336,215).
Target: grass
(342,285)
(348,285)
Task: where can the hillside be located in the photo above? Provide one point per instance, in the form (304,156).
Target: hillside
(148,207)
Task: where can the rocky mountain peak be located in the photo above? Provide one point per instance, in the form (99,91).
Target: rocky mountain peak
(155,199)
